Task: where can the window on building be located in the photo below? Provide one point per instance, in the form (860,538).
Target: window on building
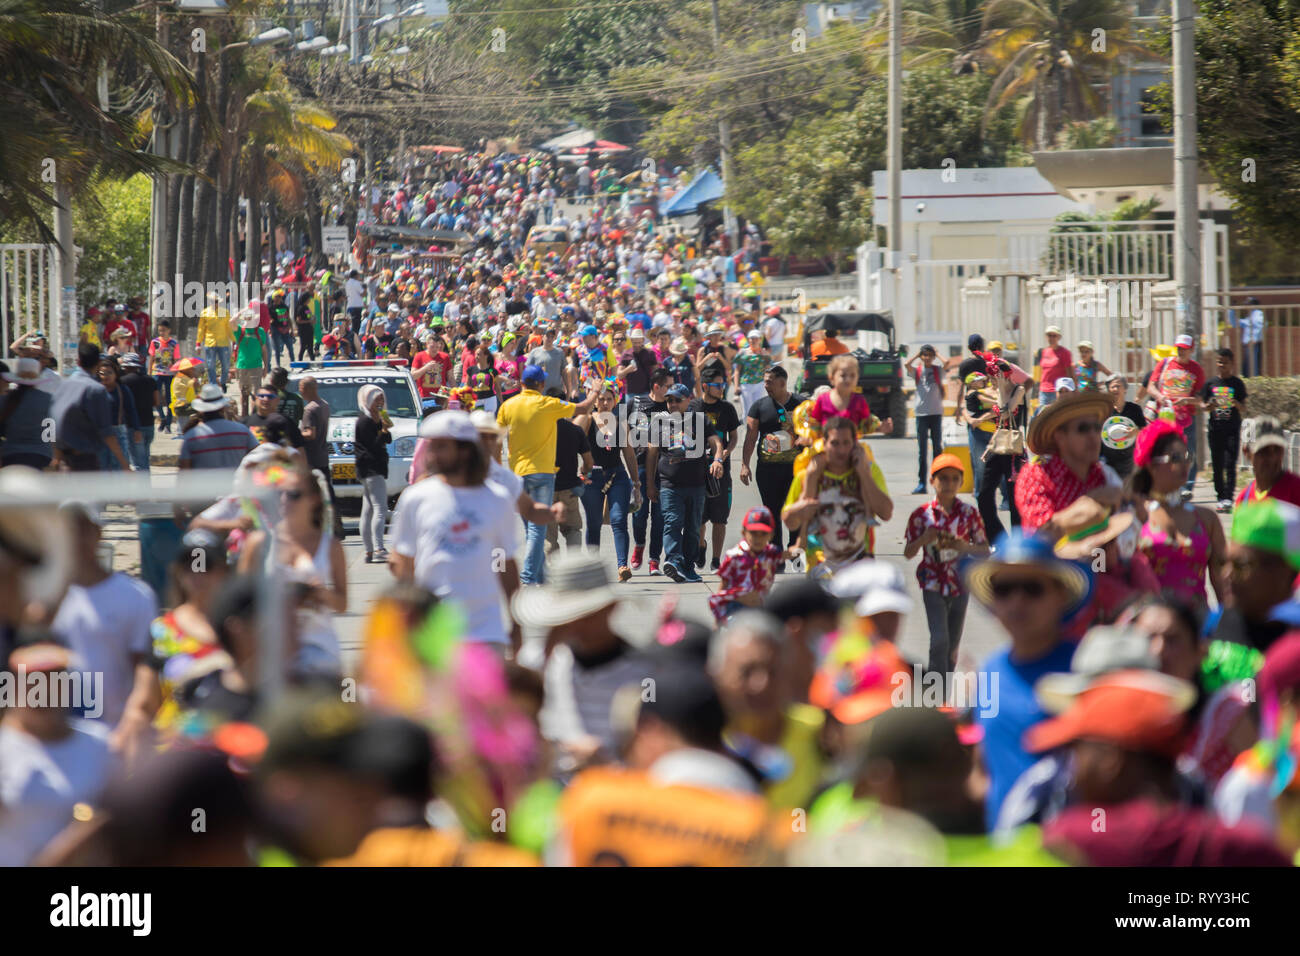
(1152,123)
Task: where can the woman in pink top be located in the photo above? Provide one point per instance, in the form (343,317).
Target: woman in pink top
(1053,362)
(1183,542)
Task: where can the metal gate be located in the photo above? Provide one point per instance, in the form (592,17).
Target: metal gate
(30,299)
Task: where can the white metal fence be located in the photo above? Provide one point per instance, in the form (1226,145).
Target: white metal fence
(29,292)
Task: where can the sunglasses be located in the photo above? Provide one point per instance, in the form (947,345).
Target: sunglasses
(1179,459)
(1032,588)
(715,384)
(1086,428)
(267,395)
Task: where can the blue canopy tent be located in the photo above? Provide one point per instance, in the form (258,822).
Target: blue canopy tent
(706,187)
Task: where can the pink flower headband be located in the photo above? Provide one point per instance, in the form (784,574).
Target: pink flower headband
(1147,438)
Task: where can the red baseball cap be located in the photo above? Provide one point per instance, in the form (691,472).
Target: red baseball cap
(758,519)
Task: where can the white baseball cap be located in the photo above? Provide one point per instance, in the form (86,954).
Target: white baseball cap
(877,586)
(450,423)
(484,421)
(1183,342)
(1052,330)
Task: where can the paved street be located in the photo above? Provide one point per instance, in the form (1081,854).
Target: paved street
(645,594)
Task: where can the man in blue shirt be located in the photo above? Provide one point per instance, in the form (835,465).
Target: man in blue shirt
(1252,339)
(82,422)
(1031,592)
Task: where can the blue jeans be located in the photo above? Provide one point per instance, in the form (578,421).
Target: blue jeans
(683,515)
(979,441)
(160,541)
(281,340)
(593,505)
(541,488)
(211,355)
(138,453)
(1189,436)
(107,461)
(652,510)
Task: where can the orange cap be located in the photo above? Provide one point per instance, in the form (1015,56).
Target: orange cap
(1143,719)
(946,461)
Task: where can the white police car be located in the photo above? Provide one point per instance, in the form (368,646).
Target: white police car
(338,384)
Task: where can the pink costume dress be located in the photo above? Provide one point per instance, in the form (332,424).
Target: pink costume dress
(1180,567)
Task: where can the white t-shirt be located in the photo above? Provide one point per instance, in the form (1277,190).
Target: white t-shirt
(107,625)
(355,291)
(41,781)
(774,332)
(505,481)
(460,539)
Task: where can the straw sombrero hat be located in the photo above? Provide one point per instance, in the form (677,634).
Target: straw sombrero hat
(575,586)
(1069,406)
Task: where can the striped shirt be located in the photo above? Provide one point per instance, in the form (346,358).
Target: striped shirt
(219,443)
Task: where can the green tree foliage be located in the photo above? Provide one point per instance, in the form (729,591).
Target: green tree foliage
(1248,108)
(51,56)
(812,188)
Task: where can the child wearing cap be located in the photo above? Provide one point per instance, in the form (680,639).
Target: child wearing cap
(748,570)
(944,529)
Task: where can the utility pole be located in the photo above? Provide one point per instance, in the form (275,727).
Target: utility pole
(724,137)
(1187,219)
(894,160)
(894,146)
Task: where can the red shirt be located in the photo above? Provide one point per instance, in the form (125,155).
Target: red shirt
(1047,486)
(1174,380)
(938,570)
(744,572)
(443,362)
(1143,833)
(119,321)
(1286,488)
(1055,363)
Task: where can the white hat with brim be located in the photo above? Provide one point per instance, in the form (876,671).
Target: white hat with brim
(211,398)
(575,586)
(485,422)
(27,371)
(450,423)
(39,537)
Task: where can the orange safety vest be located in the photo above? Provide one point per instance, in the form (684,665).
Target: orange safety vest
(614,817)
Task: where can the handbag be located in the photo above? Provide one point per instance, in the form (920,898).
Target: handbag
(1006,440)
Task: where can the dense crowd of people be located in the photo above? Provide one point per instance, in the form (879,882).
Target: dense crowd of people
(514,703)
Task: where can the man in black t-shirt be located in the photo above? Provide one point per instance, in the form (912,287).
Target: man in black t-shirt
(266,423)
(1225,400)
(724,422)
(643,408)
(574,461)
(773,415)
(682,454)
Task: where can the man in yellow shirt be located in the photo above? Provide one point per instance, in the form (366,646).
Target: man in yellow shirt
(214,338)
(529,419)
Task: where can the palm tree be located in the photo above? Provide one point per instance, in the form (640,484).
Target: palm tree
(285,142)
(51,58)
(1049,54)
